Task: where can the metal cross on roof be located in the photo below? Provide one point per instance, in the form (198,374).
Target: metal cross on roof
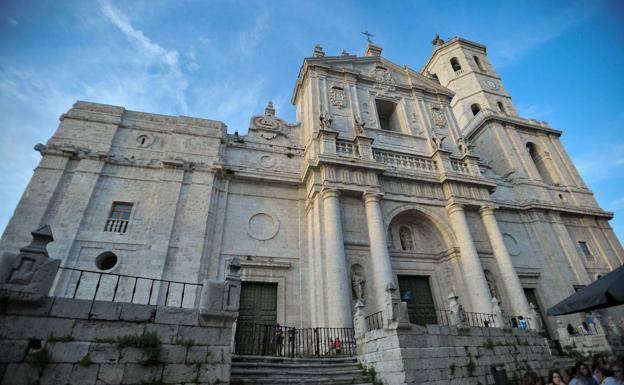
(368,36)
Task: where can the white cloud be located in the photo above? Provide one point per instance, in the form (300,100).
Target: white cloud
(172,78)
(603,164)
(248,39)
(12,21)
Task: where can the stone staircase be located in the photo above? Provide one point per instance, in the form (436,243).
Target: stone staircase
(277,370)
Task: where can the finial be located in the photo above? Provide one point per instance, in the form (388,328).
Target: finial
(41,237)
(368,36)
(344,53)
(318,51)
(437,41)
(269,110)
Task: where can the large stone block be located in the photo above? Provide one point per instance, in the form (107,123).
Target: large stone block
(166,333)
(13,350)
(173,354)
(102,310)
(84,375)
(54,374)
(176,316)
(111,374)
(175,373)
(67,351)
(136,312)
(196,355)
(18,327)
(21,374)
(71,308)
(41,307)
(102,330)
(199,335)
(103,353)
(138,374)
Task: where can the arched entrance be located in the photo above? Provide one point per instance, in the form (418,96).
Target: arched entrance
(418,242)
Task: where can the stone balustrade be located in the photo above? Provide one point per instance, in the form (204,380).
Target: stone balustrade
(405,161)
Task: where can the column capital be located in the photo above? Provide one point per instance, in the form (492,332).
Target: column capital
(330,193)
(453,207)
(486,209)
(372,196)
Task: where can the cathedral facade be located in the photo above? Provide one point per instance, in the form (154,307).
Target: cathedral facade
(424,182)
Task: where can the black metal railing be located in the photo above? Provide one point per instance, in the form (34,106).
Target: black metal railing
(103,286)
(266,340)
(116,225)
(432,316)
(374,321)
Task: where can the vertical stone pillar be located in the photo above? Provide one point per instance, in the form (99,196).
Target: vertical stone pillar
(474,276)
(511,281)
(338,282)
(381,266)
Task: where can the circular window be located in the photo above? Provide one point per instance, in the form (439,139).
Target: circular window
(262,226)
(106,261)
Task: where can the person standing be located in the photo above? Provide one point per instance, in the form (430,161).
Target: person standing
(277,340)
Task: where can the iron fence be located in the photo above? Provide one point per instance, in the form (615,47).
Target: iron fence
(104,286)
(374,321)
(268,340)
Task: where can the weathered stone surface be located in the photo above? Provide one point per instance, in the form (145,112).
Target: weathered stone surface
(180,373)
(174,354)
(103,353)
(166,333)
(82,374)
(137,373)
(94,330)
(168,315)
(41,307)
(110,374)
(199,335)
(24,327)
(21,374)
(136,312)
(67,351)
(71,308)
(54,374)
(12,350)
(196,354)
(106,310)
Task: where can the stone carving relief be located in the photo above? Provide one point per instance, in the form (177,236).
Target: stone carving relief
(267,161)
(325,120)
(357,282)
(407,239)
(437,116)
(262,226)
(415,124)
(358,125)
(338,97)
(511,244)
(382,76)
(268,125)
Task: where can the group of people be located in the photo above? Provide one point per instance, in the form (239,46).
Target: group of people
(601,372)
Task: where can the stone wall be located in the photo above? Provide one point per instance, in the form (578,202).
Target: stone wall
(69,341)
(442,355)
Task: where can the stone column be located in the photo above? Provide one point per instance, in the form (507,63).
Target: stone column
(338,282)
(474,276)
(511,281)
(381,268)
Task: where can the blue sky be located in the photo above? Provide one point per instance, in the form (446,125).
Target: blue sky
(562,61)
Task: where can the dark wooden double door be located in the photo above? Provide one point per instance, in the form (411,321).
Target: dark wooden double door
(416,292)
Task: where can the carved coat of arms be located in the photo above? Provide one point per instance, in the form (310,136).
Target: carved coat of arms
(337,97)
(437,116)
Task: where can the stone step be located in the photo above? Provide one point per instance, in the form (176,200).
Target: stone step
(297,381)
(288,365)
(274,373)
(293,360)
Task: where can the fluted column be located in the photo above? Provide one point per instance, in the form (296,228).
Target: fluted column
(338,282)
(381,265)
(474,277)
(511,281)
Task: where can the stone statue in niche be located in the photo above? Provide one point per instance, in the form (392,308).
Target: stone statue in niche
(357,282)
(437,116)
(325,120)
(437,141)
(337,97)
(407,241)
(415,126)
(489,278)
(358,125)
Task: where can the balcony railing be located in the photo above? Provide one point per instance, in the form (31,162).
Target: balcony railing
(405,161)
(116,226)
(374,321)
(103,286)
(347,149)
(460,167)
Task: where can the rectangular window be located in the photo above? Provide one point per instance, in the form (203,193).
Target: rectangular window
(119,217)
(387,114)
(585,251)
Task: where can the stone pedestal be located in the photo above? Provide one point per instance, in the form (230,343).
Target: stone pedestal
(474,277)
(338,282)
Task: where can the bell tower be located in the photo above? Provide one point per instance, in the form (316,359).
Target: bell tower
(462,66)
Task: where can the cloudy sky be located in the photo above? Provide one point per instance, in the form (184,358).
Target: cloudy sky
(562,61)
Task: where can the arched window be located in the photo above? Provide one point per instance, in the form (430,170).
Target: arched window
(475,108)
(455,64)
(540,162)
(407,241)
(501,107)
(476,59)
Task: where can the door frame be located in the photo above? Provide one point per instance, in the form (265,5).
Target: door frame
(259,275)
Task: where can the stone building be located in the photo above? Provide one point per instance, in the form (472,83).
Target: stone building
(393,183)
